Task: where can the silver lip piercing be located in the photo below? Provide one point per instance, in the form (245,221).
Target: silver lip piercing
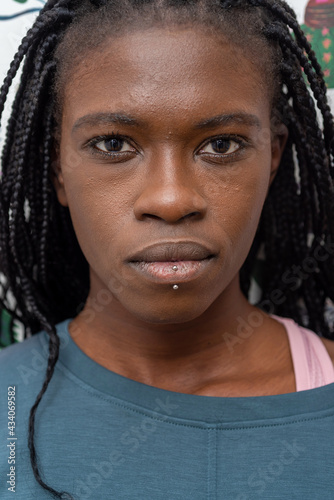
(175,268)
(175,287)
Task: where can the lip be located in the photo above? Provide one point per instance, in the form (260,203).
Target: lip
(156,262)
(171,251)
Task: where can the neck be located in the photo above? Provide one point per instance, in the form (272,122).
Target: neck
(183,357)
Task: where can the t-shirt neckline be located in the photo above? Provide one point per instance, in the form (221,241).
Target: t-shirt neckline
(209,409)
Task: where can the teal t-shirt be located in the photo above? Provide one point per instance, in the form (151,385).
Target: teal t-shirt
(102,436)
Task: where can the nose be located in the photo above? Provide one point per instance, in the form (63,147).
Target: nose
(171,192)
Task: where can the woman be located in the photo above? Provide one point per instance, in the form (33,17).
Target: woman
(150,155)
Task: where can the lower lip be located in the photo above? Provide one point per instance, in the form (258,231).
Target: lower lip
(163,271)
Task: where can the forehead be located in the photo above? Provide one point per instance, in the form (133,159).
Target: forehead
(174,71)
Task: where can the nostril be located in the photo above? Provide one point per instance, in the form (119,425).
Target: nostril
(190,215)
(151,216)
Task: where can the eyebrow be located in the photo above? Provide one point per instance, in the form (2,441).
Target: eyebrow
(104,119)
(124,119)
(230,119)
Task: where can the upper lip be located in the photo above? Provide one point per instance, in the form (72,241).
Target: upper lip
(172,251)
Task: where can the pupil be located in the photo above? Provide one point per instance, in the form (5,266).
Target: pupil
(113,144)
(220,146)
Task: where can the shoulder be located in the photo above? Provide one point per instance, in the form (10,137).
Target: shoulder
(22,350)
(328,344)
(20,360)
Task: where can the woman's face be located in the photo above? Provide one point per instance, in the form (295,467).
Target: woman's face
(166,157)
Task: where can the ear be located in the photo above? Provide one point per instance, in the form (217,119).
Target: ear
(279,139)
(57,176)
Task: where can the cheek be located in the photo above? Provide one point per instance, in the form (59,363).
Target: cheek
(238,193)
(99,212)
(240,222)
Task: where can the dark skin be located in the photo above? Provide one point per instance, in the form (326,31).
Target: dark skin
(164,180)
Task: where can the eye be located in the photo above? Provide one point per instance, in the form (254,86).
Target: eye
(112,145)
(221,146)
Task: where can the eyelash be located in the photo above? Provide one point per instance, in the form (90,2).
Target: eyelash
(242,144)
(93,142)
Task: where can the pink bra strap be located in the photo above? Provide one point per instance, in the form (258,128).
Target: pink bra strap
(312,364)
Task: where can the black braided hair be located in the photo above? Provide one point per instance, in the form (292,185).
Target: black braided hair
(39,253)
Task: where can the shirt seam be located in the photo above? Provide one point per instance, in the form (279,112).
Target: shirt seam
(212,464)
(166,418)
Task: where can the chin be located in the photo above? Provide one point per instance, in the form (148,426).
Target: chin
(169,313)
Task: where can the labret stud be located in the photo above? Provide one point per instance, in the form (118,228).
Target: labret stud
(175,287)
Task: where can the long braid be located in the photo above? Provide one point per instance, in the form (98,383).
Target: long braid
(45,195)
(54,344)
(19,132)
(283,13)
(315,83)
(318,154)
(40,28)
